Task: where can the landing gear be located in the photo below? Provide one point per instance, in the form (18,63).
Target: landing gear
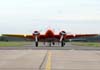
(50,44)
(36,44)
(62,44)
(53,43)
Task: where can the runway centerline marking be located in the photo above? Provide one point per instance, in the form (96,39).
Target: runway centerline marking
(48,64)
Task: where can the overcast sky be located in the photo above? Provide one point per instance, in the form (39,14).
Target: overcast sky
(25,16)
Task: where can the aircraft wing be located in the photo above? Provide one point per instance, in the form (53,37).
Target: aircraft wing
(79,35)
(18,35)
(44,37)
(41,37)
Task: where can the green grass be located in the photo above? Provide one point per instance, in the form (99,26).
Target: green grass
(91,44)
(13,44)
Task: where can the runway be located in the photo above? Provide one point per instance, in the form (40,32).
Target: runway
(48,58)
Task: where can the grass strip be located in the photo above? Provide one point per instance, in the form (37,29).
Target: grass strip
(91,44)
(14,44)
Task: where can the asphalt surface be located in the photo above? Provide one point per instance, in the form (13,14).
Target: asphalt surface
(69,57)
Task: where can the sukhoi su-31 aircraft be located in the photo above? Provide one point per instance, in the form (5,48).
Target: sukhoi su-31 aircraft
(50,37)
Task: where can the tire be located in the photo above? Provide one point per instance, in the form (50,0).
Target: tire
(36,44)
(62,44)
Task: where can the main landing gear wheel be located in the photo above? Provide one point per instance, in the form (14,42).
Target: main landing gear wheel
(36,44)
(50,44)
(62,44)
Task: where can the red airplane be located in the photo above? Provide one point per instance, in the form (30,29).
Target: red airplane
(49,36)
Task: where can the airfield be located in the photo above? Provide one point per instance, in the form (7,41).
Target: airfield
(44,57)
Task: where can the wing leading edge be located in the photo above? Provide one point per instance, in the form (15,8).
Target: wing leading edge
(80,35)
(43,36)
(18,35)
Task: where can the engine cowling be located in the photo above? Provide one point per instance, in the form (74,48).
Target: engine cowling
(62,33)
(36,33)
